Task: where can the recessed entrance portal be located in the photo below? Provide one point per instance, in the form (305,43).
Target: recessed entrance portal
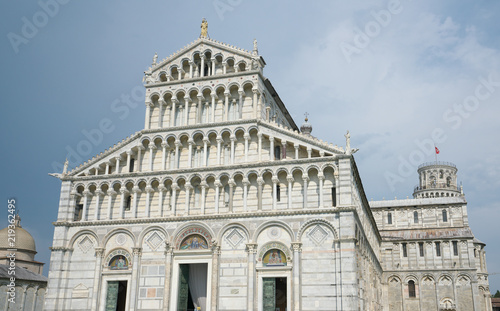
(274,290)
(116,296)
(192,292)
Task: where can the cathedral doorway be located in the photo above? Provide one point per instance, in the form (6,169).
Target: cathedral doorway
(274,294)
(116,296)
(191,290)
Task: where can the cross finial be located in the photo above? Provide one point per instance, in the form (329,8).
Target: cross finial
(306,115)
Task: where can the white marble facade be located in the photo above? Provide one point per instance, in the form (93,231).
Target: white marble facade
(221,159)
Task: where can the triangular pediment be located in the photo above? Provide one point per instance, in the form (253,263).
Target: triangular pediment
(203,46)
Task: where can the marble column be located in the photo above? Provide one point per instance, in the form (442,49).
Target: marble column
(117,161)
(259,136)
(233,139)
(123,193)
(296,146)
(97,195)
(149,105)
(129,158)
(275,181)
(140,148)
(135,190)
(240,104)
(226,106)
(259,107)
(161,103)
(283,149)
(169,254)
(176,155)
(204,187)
(106,170)
(190,153)
(111,194)
(188,188)
(187,101)
(190,69)
(290,181)
(254,103)
(175,187)
(213,108)
(99,254)
(219,142)
(202,67)
(231,184)
(212,60)
(85,194)
(306,185)
(172,115)
(246,136)
(224,67)
(135,277)
(215,275)
(217,185)
(251,250)
(271,148)
(205,151)
(260,183)
(161,189)
(321,178)
(297,250)
(148,189)
(151,148)
(246,184)
(199,110)
(309,152)
(164,156)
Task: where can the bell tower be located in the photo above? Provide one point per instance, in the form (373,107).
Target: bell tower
(437,179)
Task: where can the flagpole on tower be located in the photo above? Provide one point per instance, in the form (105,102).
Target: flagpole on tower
(436,152)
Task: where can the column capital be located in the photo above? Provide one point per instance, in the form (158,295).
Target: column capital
(124,191)
(141,147)
(168,247)
(306,178)
(149,104)
(259,135)
(149,189)
(213,95)
(136,189)
(111,192)
(130,152)
(99,251)
(86,193)
(246,136)
(118,158)
(290,179)
(188,186)
(191,142)
(232,137)
(137,251)
(206,141)
(260,180)
(162,188)
(297,246)
(219,139)
(151,146)
(245,181)
(296,145)
(98,192)
(164,145)
(217,183)
(241,92)
(283,142)
(204,184)
(321,176)
(255,91)
(251,248)
(200,97)
(175,186)
(231,182)
(162,102)
(175,100)
(275,180)
(178,143)
(271,138)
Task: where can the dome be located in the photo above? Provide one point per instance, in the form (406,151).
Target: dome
(24,240)
(306,128)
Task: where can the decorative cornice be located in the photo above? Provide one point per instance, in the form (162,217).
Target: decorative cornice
(256,214)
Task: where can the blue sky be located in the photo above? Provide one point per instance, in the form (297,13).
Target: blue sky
(391,73)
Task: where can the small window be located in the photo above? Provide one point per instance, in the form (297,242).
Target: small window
(78,212)
(277,153)
(389,218)
(131,169)
(448,181)
(334,197)
(415,217)
(128,203)
(455,248)
(438,249)
(278,193)
(475,252)
(405,251)
(421,248)
(440,174)
(411,289)
(445,216)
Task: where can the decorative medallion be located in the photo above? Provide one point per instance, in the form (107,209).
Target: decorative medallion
(201,232)
(119,259)
(194,241)
(317,234)
(154,240)
(274,258)
(85,244)
(274,233)
(120,239)
(234,238)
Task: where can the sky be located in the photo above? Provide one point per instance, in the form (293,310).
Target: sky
(401,76)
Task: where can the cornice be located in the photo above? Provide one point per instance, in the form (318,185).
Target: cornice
(204,79)
(257,214)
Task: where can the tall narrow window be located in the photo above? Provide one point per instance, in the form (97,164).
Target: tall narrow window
(132,161)
(438,249)
(455,248)
(421,248)
(445,216)
(277,153)
(411,289)
(128,203)
(278,193)
(334,197)
(405,251)
(389,218)
(415,217)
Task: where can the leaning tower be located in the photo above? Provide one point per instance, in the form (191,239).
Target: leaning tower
(437,179)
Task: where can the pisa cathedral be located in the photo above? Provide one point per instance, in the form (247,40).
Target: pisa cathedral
(222,202)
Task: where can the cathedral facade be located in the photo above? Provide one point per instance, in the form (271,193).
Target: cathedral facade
(222,202)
